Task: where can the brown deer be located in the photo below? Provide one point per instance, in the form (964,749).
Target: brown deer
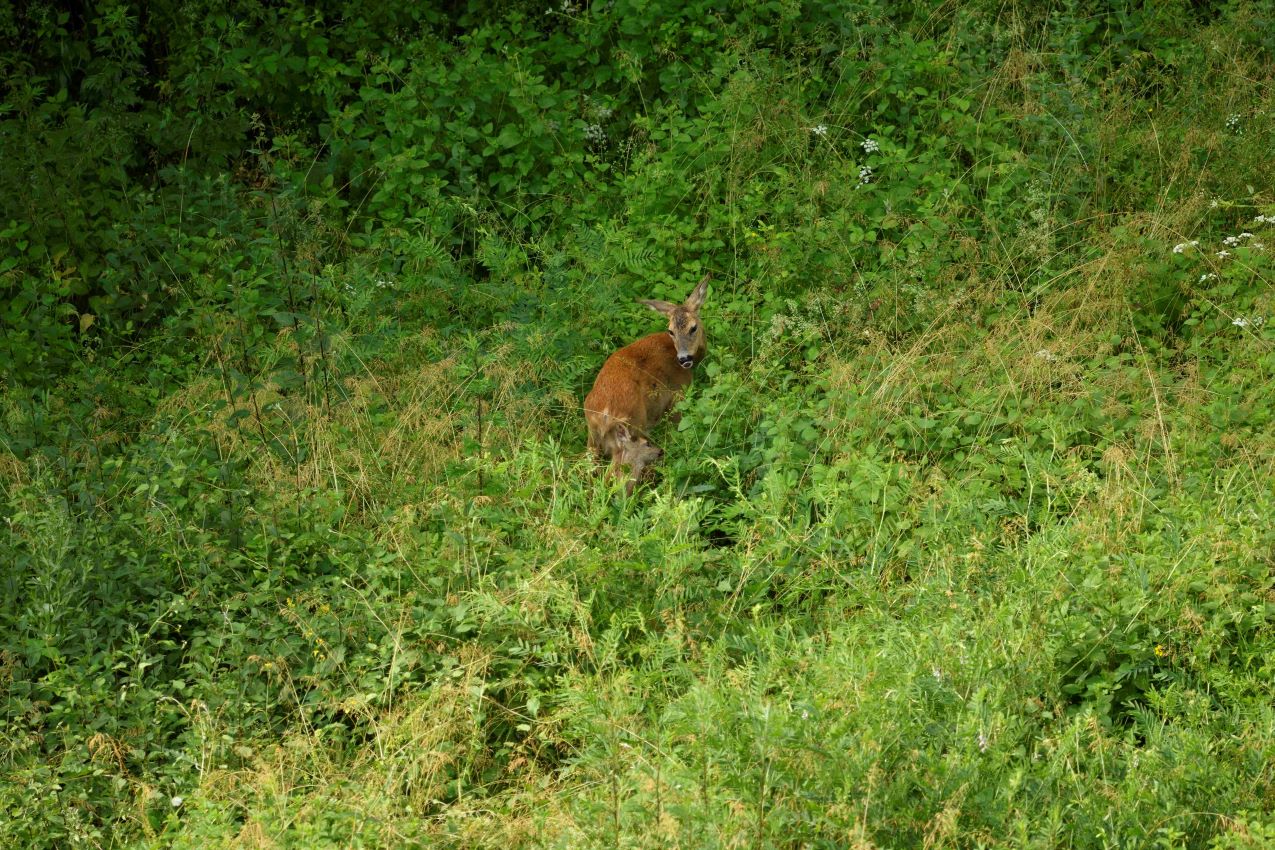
(640,382)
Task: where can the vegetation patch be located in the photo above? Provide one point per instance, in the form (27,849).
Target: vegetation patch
(963,535)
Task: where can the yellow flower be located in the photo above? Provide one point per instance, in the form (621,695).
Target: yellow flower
(1161,650)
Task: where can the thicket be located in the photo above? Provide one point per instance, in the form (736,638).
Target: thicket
(965,536)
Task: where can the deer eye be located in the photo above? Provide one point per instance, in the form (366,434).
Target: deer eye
(670,331)
(694,328)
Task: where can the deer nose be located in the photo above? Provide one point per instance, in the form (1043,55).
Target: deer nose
(686,360)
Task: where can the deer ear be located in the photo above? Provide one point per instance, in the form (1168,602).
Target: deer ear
(622,431)
(696,298)
(658,306)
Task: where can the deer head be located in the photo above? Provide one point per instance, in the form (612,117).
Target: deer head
(684,324)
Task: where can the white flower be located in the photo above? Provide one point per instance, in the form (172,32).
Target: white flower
(937,674)
(177,802)
(1213,204)
(1046,354)
(595,135)
(865,174)
(1222,255)
(1264,219)
(1182,246)
(820,130)
(982,742)
(1207,276)
(1257,246)
(870,145)
(1240,322)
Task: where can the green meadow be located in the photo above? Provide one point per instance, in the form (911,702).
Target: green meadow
(964,538)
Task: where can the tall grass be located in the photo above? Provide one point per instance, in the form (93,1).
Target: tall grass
(964,537)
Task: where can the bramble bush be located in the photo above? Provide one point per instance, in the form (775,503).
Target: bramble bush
(963,537)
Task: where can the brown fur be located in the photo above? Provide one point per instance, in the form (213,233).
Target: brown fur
(641,381)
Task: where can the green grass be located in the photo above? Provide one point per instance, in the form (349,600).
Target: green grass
(965,537)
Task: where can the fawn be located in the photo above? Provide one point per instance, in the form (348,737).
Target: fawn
(641,381)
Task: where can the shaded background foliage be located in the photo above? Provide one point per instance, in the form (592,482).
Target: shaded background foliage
(297,304)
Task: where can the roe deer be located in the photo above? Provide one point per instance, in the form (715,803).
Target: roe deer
(635,452)
(641,381)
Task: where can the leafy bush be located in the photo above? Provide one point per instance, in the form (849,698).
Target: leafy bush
(962,536)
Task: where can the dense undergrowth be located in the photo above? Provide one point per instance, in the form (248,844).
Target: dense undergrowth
(965,536)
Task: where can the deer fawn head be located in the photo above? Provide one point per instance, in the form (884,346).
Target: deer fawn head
(684,324)
(636,451)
